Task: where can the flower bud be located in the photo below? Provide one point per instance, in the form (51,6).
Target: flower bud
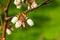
(22,17)
(14,19)
(9,27)
(17,2)
(34,5)
(30,22)
(8,31)
(18,24)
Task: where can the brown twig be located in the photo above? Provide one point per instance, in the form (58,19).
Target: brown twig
(7,18)
(5,21)
(7,5)
(41,4)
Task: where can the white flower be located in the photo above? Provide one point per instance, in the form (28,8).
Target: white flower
(8,31)
(18,6)
(18,24)
(17,2)
(30,22)
(34,5)
(14,19)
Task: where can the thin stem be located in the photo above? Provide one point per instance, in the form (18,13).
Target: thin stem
(4,27)
(7,5)
(5,21)
(7,18)
(41,4)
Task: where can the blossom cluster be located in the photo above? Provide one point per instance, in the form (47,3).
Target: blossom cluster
(31,3)
(19,21)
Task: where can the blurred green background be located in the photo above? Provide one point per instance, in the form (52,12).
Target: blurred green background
(46,19)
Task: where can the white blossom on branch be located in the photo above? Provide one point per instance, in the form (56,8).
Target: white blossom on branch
(30,22)
(14,19)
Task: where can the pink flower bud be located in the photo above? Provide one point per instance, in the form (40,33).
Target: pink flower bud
(34,5)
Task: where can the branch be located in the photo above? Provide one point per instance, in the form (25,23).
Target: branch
(5,21)
(7,18)
(6,8)
(41,4)
(26,11)
(7,5)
